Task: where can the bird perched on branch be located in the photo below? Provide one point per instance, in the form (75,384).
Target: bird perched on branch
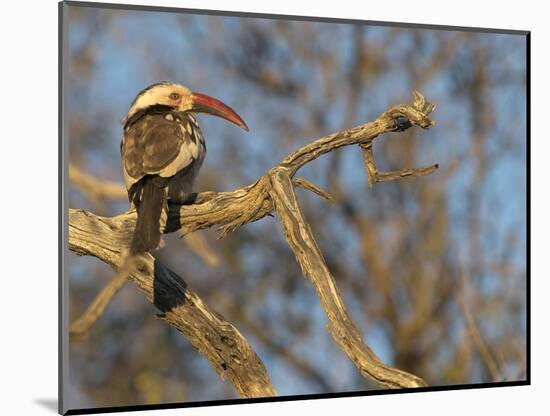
(162,151)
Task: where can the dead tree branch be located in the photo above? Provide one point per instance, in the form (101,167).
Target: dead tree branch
(300,238)
(226,349)
(473,329)
(220,342)
(94,187)
(82,325)
(97,189)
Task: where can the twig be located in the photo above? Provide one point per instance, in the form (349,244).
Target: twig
(199,245)
(304,183)
(370,165)
(475,333)
(96,188)
(402,120)
(83,324)
(375,176)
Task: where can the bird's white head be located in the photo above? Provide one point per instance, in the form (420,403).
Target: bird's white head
(181,98)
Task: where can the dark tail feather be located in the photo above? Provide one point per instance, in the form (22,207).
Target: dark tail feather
(151,215)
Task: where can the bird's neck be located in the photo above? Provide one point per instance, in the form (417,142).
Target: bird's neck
(153,109)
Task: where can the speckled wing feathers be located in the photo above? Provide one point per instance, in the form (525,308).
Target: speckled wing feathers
(150,145)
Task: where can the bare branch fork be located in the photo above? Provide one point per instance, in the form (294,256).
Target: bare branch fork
(108,238)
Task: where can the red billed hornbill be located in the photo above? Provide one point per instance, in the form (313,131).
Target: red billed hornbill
(162,151)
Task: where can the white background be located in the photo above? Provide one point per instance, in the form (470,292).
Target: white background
(28,203)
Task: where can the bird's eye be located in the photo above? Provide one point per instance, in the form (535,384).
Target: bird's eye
(175,96)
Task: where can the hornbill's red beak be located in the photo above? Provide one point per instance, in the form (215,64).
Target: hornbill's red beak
(202,103)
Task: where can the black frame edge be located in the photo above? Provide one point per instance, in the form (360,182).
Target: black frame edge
(181,10)
(528,205)
(63,347)
(304,397)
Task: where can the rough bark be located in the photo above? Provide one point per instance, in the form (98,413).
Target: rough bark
(341,327)
(219,341)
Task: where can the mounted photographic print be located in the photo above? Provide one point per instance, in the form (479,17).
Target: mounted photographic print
(264,208)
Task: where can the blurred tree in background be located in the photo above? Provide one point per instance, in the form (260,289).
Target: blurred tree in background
(432,269)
